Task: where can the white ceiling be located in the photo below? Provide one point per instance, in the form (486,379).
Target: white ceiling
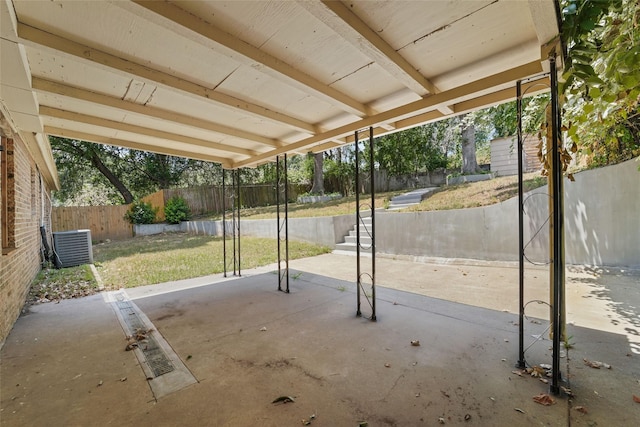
(239,82)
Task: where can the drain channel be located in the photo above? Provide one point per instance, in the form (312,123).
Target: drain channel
(164,370)
(155,357)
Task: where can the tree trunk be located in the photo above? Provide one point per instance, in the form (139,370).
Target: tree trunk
(469,162)
(318,175)
(114,180)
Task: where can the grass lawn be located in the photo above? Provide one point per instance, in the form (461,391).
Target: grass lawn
(475,194)
(174,256)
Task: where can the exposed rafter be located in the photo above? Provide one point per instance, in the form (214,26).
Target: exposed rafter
(154,133)
(351,28)
(47,86)
(32,35)
(100,139)
(184,23)
(424,105)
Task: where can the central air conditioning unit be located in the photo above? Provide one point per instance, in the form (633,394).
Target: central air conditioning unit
(72,248)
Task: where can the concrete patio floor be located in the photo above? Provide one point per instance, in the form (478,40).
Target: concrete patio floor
(247,344)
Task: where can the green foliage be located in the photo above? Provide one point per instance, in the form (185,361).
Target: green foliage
(602,78)
(176,210)
(141,213)
(423,148)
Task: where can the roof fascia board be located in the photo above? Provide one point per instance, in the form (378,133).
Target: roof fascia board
(184,23)
(40,38)
(424,105)
(533,87)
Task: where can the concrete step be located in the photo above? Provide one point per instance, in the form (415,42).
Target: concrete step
(354,233)
(398,206)
(365,240)
(351,247)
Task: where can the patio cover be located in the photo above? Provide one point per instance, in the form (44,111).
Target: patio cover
(239,82)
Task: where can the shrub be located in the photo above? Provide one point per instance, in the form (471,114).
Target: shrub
(141,213)
(176,210)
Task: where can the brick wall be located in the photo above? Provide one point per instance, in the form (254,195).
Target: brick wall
(19,266)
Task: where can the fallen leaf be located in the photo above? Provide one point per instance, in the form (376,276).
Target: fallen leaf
(100,383)
(544,399)
(518,373)
(595,364)
(415,343)
(582,409)
(538,372)
(387,365)
(467,417)
(519,410)
(441,420)
(264,328)
(283,399)
(636,399)
(123,379)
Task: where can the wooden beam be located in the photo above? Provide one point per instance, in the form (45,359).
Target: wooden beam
(185,23)
(99,139)
(351,28)
(154,133)
(48,86)
(35,36)
(412,109)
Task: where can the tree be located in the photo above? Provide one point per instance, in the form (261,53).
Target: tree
(318,174)
(468,146)
(73,157)
(103,174)
(601,87)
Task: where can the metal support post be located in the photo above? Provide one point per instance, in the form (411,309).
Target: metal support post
(282,184)
(236,223)
(224,224)
(369,229)
(557,215)
(521,361)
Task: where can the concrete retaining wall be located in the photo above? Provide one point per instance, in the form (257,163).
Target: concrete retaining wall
(325,231)
(602,224)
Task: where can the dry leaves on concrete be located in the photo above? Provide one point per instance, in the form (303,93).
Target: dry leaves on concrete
(636,399)
(596,365)
(544,399)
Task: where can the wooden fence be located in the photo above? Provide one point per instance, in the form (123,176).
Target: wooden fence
(105,222)
(208,199)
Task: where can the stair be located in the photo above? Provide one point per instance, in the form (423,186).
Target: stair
(349,244)
(409,199)
(399,202)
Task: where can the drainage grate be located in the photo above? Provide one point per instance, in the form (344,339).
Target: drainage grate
(155,357)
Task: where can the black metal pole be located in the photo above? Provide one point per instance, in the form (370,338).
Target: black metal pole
(238,197)
(233,219)
(286,219)
(278,221)
(358,312)
(521,362)
(373,227)
(558,267)
(224,225)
